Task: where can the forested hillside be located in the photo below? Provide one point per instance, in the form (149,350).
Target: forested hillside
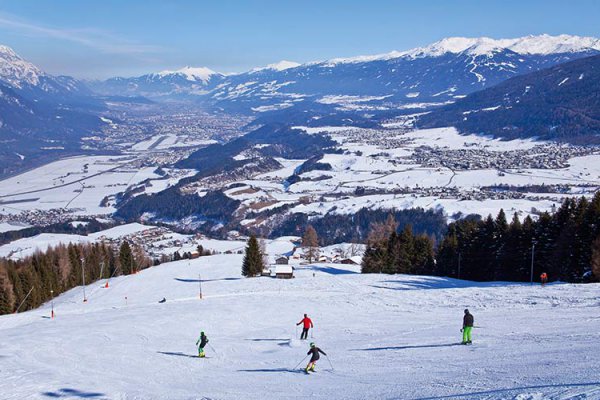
(565,245)
(559,103)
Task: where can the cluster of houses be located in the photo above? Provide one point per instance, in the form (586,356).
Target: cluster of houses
(283,266)
(546,156)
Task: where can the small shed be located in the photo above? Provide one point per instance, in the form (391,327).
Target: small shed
(284,272)
(281,260)
(356,260)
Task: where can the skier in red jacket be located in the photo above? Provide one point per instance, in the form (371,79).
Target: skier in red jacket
(307,324)
(544,278)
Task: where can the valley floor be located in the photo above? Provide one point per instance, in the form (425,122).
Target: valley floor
(388,337)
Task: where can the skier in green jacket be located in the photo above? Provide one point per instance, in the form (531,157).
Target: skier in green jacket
(468,321)
(201,343)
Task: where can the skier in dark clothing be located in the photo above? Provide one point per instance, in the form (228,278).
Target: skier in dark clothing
(314,350)
(306,325)
(201,343)
(468,321)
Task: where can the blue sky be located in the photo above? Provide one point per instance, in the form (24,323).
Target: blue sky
(98,39)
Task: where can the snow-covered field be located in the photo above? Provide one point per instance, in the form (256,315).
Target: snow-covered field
(77,183)
(163,142)
(158,241)
(387,337)
(382,161)
(379,161)
(6,227)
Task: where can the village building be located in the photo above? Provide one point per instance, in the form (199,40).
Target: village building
(284,272)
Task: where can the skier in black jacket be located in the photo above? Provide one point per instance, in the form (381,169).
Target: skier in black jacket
(314,350)
(468,321)
(201,343)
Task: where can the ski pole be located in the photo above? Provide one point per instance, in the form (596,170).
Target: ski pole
(301,361)
(296,332)
(327,357)
(212,348)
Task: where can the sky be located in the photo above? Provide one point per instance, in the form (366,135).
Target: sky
(96,39)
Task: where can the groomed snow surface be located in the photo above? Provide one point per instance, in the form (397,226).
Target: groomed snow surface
(388,337)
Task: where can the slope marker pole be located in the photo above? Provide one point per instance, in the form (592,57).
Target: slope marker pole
(200,285)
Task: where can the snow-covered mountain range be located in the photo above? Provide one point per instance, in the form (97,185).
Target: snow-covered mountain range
(438,73)
(540,45)
(40,114)
(29,80)
(37,108)
(179,83)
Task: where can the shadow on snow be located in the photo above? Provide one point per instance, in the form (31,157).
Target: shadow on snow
(70,393)
(295,371)
(179,354)
(504,392)
(332,270)
(422,346)
(424,282)
(205,280)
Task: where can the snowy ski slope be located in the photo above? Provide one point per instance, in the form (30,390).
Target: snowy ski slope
(388,337)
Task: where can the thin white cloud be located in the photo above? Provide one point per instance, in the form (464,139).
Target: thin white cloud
(96,39)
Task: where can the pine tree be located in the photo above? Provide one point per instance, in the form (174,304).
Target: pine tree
(374,260)
(5,303)
(500,243)
(406,250)
(310,242)
(252,264)
(424,256)
(392,255)
(596,259)
(128,264)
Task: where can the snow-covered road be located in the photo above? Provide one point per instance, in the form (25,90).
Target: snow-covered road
(388,337)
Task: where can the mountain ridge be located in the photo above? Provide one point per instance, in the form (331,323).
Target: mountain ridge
(557,103)
(418,78)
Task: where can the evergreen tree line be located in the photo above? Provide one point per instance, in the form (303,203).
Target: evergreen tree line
(90,226)
(186,255)
(354,228)
(564,244)
(33,280)
(392,252)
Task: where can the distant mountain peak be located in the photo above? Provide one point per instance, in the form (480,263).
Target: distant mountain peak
(193,74)
(15,71)
(533,44)
(278,66)
(7,50)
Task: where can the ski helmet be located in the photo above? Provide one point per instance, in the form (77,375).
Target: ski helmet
(466,311)
(202,333)
(312,344)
